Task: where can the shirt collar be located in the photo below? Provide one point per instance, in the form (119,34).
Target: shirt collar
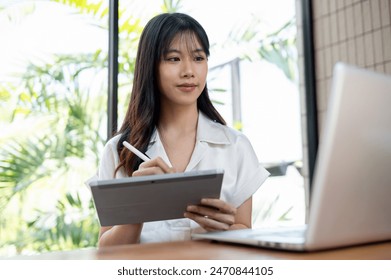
(211,131)
(207,131)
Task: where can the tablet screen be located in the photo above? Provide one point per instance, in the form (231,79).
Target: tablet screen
(153,198)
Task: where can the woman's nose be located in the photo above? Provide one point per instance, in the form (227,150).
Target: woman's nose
(187,70)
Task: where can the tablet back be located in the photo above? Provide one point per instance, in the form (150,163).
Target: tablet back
(152,198)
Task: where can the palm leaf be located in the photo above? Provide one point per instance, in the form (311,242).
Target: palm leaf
(66,233)
(85,6)
(277,47)
(22,164)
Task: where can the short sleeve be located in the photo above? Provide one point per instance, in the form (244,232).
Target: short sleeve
(108,162)
(250,173)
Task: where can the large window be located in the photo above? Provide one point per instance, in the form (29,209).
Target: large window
(53,95)
(254,83)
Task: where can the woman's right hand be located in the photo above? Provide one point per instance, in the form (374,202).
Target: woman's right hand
(128,234)
(153,166)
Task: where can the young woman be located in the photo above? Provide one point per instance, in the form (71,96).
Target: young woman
(171,118)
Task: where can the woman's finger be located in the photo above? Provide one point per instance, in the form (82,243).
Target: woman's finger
(206,222)
(148,171)
(212,213)
(219,204)
(152,167)
(157,162)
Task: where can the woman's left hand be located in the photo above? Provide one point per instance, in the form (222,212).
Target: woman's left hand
(212,214)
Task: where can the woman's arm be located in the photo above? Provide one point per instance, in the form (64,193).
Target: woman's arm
(243,215)
(215,214)
(118,235)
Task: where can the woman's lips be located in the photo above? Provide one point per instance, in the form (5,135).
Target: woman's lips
(186,87)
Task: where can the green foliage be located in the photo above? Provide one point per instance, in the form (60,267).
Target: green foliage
(65,128)
(21,164)
(95,8)
(171,6)
(66,227)
(278,47)
(4,95)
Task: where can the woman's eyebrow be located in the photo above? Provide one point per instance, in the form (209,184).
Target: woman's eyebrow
(198,50)
(178,51)
(173,51)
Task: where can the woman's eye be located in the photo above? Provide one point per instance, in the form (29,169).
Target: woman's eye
(172,59)
(199,58)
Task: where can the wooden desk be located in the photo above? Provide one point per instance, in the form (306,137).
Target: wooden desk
(207,250)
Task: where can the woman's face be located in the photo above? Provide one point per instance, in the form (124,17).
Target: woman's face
(182,72)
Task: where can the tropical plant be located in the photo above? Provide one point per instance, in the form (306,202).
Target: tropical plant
(66,227)
(61,132)
(277,47)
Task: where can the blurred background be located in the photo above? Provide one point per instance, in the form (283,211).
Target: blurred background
(53,103)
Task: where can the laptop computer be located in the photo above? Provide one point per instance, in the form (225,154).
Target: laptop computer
(351,199)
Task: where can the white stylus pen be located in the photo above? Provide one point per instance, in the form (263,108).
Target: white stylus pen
(135,151)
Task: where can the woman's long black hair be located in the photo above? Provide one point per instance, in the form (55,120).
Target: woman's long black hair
(144,105)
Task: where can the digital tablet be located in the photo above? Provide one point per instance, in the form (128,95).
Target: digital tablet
(152,198)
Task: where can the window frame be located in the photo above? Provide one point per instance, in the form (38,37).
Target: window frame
(309,80)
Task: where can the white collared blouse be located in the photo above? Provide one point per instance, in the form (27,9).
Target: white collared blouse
(217,146)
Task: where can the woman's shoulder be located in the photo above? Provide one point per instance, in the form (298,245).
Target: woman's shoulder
(111,145)
(113,141)
(235,136)
(221,133)
(109,159)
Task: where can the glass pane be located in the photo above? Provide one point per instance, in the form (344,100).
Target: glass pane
(259,39)
(266,104)
(53,122)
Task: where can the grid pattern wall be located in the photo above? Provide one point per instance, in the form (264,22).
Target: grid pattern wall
(357,32)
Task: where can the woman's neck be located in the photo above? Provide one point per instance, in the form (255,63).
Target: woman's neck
(178,133)
(182,120)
